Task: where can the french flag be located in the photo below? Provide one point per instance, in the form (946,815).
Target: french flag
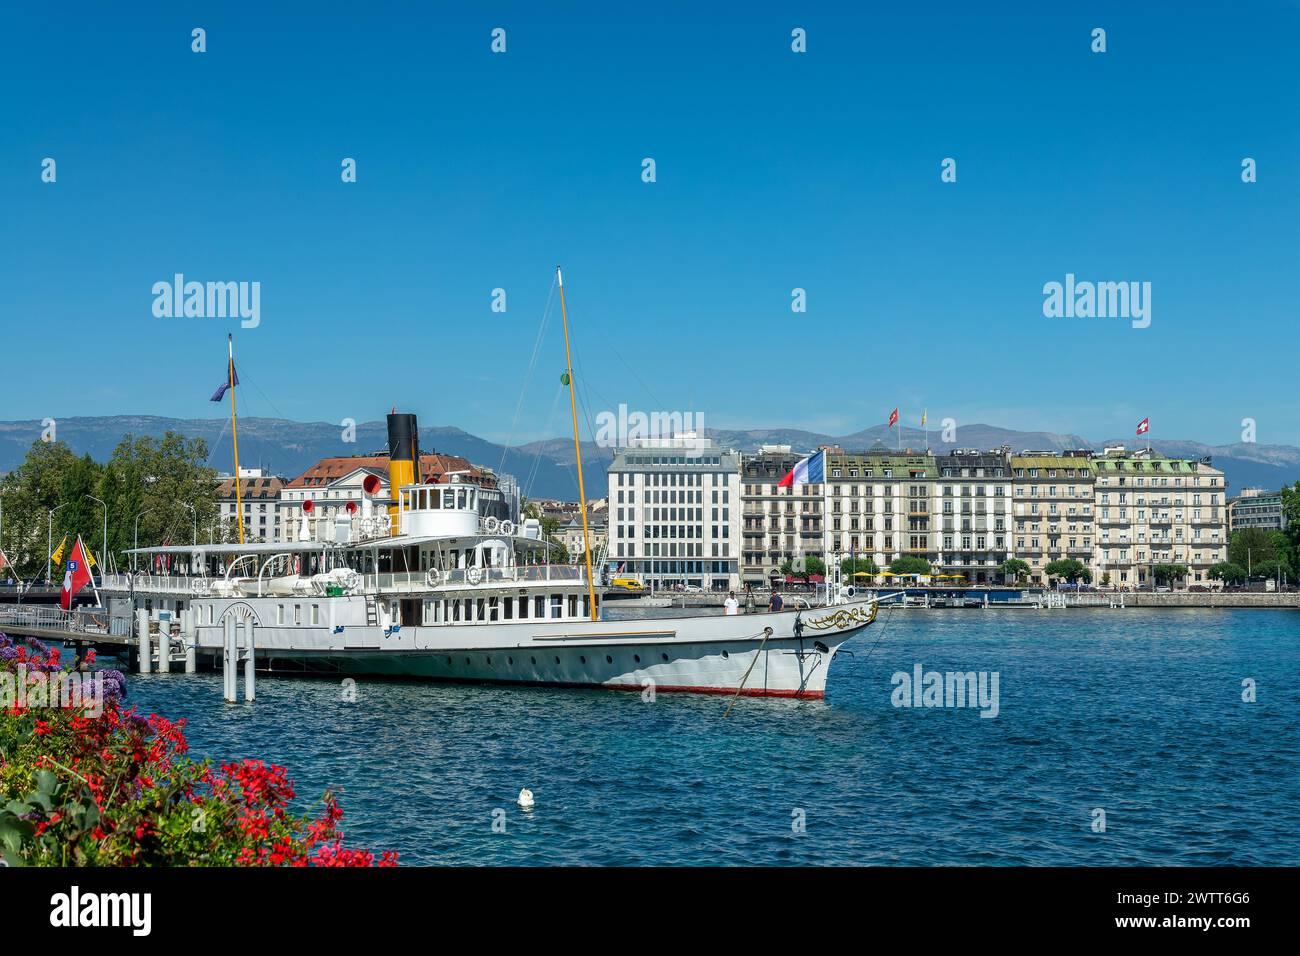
(807,471)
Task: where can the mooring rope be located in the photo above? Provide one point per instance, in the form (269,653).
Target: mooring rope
(767,632)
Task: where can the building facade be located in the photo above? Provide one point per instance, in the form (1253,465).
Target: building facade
(1256,508)
(1053,517)
(1150,510)
(972,518)
(674,515)
(779,524)
(878,506)
(259,497)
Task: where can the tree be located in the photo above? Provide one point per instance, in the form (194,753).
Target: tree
(1252,548)
(909,565)
(31,490)
(1015,569)
(1168,573)
(1071,569)
(852,566)
(1227,572)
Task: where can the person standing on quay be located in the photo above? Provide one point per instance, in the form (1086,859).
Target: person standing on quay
(731,604)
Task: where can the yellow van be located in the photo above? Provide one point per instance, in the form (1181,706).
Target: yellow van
(627,584)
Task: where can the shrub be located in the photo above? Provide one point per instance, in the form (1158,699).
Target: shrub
(118,789)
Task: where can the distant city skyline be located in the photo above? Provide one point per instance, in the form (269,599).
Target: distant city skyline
(775,171)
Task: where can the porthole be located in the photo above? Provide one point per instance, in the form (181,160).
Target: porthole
(557,660)
(467,660)
(725,655)
(534,660)
(489,660)
(608,659)
(637,658)
(510,661)
(583,659)
(449,662)
(665,656)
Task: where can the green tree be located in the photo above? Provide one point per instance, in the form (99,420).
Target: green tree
(1252,548)
(1165,574)
(1014,569)
(1227,572)
(31,490)
(1071,569)
(851,566)
(909,565)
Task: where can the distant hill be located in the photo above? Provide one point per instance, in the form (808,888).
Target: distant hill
(545,469)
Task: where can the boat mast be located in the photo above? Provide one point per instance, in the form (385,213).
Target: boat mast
(577,449)
(234,432)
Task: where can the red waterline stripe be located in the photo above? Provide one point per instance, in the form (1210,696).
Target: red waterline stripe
(691,689)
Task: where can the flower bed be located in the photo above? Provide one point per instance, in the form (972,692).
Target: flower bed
(105,786)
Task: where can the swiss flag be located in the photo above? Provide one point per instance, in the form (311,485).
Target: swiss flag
(1144,426)
(893,418)
(76,577)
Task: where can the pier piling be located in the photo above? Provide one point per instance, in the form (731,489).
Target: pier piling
(165,646)
(250,693)
(229,656)
(142,635)
(188,638)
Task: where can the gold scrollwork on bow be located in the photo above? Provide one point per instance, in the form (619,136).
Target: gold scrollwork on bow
(844,617)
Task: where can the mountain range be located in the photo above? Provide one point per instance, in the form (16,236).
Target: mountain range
(545,469)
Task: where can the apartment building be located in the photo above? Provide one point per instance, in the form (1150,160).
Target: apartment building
(259,497)
(779,524)
(1151,509)
(1053,509)
(674,514)
(971,516)
(878,505)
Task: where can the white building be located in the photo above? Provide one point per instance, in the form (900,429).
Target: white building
(674,514)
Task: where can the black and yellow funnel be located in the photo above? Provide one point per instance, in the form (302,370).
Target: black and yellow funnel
(403,461)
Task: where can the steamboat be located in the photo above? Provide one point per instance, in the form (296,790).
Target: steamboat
(428,582)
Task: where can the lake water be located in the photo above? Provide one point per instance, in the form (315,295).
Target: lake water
(1138,713)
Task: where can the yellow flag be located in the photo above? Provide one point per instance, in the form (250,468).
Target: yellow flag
(57,556)
(923,413)
(90,558)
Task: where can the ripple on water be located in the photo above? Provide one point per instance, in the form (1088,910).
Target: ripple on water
(1138,713)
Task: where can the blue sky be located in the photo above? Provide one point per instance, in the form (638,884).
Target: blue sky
(775,171)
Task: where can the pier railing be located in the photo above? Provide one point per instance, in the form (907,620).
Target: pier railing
(76,621)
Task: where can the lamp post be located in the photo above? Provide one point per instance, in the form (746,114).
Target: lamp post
(103,554)
(136,547)
(49,543)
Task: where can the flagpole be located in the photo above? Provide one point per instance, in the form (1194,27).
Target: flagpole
(577,449)
(234,432)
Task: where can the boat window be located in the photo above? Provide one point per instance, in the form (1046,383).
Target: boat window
(279,614)
(460,498)
(557,605)
(539,606)
(573,605)
(480,616)
(508,607)
(455,610)
(297,614)
(315,613)
(493,609)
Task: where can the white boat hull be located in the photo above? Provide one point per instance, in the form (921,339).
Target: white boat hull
(756,654)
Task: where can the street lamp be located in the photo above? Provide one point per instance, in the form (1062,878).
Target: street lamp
(137,537)
(103,554)
(49,544)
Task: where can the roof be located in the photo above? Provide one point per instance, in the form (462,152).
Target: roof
(327,470)
(250,488)
(1050,461)
(300,547)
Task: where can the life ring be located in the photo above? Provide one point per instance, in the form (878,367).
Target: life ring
(199,586)
(491,524)
(850,591)
(350,580)
(473,575)
(507,527)
(433,577)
